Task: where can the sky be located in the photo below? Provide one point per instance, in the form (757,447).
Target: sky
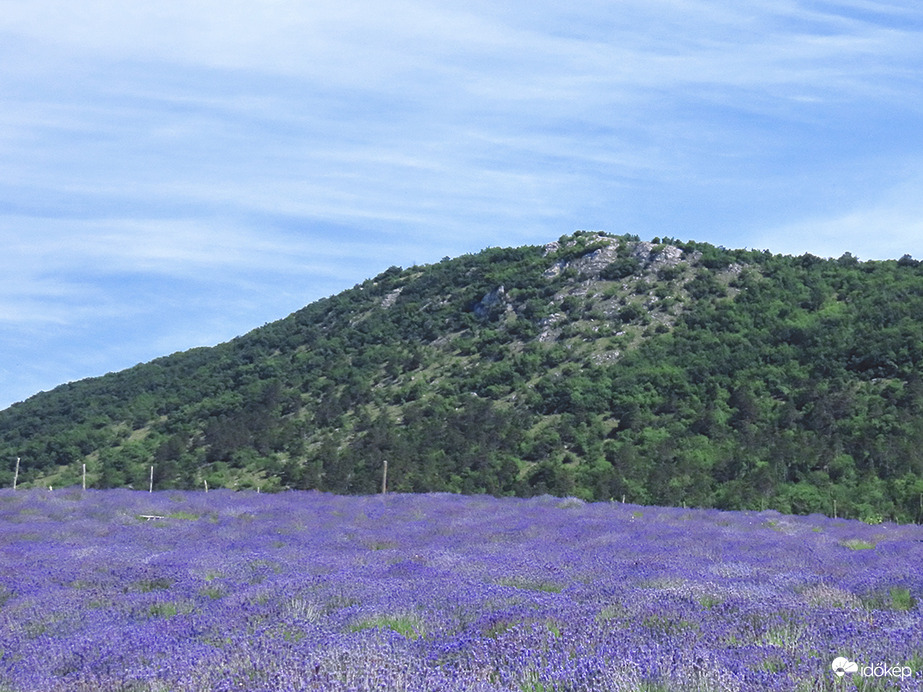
(176,173)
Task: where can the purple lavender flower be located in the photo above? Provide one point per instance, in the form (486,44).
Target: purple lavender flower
(115,590)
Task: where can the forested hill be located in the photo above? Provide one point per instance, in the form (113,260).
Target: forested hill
(598,366)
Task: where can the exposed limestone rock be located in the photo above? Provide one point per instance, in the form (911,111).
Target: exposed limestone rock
(652,257)
(606,357)
(657,256)
(593,263)
(549,333)
(667,257)
(554,269)
(498,295)
(389,299)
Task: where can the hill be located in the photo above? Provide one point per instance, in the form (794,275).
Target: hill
(664,372)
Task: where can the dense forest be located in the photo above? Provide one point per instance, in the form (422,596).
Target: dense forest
(597,366)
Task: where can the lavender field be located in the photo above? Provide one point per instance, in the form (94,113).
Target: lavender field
(307,591)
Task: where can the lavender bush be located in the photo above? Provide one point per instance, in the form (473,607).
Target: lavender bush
(121,590)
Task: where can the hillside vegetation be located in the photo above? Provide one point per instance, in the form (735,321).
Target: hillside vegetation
(598,366)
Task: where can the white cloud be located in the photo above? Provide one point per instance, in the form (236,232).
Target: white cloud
(169,247)
(517,50)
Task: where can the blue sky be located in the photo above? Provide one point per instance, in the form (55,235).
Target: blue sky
(177,173)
